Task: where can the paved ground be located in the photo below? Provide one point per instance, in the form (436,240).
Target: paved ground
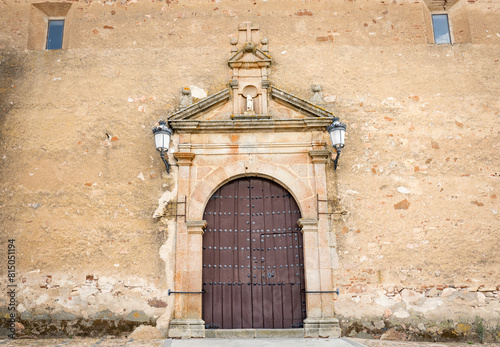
(343,342)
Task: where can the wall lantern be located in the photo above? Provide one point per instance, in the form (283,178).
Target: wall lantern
(337,135)
(162,140)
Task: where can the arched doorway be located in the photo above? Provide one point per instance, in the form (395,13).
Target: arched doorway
(253,268)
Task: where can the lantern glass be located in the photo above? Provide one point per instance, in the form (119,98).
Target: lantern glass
(162,135)
(162,140)
(337,134)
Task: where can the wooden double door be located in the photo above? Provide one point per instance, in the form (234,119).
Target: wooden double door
(253,267)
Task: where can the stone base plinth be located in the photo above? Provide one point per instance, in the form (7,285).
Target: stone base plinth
(186,328)
(254,333)
(321,327)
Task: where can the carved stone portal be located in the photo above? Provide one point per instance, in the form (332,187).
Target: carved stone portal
(290,149)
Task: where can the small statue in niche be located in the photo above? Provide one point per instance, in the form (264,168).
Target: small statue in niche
(249,103)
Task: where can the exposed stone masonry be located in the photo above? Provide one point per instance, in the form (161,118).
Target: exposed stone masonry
(438,313)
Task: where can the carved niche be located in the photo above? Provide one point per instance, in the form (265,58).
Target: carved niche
(249,72)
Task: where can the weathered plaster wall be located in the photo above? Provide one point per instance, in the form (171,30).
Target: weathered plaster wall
(80,179)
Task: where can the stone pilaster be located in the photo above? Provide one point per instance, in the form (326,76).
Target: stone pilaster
(188,322)
(311,265)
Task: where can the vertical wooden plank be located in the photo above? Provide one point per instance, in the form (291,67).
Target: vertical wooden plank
(260,227)
(235,287)
(287,299)
(217,317)
(255,185)
(244,252)
(268,255)
(217,297)
(293,271)
(226,224)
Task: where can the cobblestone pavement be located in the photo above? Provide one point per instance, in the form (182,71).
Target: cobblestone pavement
(115,342)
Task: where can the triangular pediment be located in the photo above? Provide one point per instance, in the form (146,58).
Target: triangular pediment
(245,56)
(282,105)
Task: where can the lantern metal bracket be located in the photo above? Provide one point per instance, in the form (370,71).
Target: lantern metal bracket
(165,161)
(335,161)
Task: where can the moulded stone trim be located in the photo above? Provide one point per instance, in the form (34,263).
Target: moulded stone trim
(201,105)
(319,156)
(308,224)
(258,145)
(184,158)
(261,125)
(301,104)
(203,190)
(196,226)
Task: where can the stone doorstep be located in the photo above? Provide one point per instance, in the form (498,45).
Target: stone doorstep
(253,333)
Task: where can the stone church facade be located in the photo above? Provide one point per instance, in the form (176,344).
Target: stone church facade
(254,226)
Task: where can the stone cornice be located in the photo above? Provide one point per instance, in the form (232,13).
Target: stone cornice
(262,125)
(301,104)
(253,145)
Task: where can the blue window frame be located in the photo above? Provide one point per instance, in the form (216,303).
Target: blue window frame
(441,29)
(55,34)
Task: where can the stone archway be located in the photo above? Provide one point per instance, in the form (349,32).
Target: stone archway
(194,194)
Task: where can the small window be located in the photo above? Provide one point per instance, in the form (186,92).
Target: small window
(441,29)
(55,34)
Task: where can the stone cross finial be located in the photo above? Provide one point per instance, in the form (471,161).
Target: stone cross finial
(248,32)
